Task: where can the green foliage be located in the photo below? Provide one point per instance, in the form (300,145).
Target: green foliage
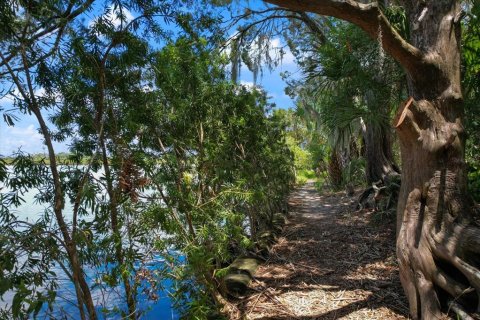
(474,181)
(471,84)
(351,87)
(309,148)
(397,17)
(33,246)
(347,80)
(223,164)
(354,172)
(304,175)
(471,42)
(303,158)
(167,157)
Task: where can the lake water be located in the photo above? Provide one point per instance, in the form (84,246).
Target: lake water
(64,305)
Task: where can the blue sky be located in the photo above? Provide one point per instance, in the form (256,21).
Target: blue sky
(24,135)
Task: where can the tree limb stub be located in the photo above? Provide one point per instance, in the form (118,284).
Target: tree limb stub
(402,112)
(371,19)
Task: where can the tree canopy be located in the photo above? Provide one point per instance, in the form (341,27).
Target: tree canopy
(174,169)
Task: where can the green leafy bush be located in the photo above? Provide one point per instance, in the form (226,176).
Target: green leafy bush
(474,181)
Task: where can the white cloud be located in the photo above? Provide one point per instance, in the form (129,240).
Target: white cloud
(40,92)
(25,138)
(7,99)
(115,17)
(248,84)
(276,47)
(227,48)
(147,88)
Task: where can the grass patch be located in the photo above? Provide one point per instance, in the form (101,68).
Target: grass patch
(304,175)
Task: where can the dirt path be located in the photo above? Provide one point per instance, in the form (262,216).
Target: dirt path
(330,263)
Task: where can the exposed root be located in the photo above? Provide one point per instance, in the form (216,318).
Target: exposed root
(461,313)
(436,270)
(450,285)
(380,195)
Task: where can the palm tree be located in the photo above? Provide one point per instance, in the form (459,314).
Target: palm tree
(349,89)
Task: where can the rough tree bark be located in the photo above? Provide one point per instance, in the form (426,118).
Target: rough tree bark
(378,153)
(438,234)
(335,169)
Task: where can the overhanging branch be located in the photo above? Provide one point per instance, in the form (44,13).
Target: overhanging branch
(368,17)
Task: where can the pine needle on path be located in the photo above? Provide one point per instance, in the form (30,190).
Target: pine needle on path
(330,263)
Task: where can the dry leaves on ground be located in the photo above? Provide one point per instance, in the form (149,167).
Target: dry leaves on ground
(330,263)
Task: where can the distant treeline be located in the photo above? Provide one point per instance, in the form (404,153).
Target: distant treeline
(39,158)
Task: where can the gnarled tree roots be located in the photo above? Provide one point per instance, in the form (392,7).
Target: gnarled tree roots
(439,264)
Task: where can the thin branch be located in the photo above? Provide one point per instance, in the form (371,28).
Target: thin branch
(313,26)
(277,13)
(63,20)
(31,225)
(371,19)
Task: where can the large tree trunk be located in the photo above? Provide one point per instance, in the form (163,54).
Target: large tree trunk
(438,234)
(378,154)
(335,170)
